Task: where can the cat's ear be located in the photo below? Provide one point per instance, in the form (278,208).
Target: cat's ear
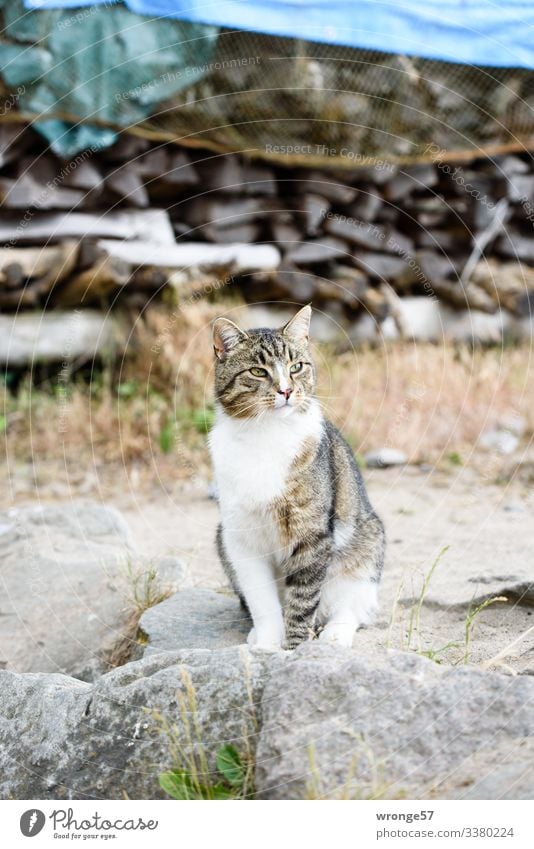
(298,327)
(226,335)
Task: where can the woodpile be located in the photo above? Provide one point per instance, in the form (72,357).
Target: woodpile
(122,225)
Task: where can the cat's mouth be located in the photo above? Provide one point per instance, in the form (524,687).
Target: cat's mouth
(285,406)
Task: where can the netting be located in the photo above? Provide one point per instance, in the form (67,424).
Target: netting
(281,99)
(311,103)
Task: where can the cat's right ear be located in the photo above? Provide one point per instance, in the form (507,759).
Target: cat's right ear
(226,335)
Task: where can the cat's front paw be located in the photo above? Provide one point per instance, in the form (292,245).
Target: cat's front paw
(265,641)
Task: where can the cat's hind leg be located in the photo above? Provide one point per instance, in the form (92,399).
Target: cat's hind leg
(346,604)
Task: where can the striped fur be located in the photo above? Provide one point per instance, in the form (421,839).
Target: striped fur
(298,537)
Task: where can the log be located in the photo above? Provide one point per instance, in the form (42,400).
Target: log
(184,254)
(150,225)
(40,262)
(57,336)
(100,281)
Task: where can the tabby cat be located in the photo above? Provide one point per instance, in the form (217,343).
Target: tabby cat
(298,538)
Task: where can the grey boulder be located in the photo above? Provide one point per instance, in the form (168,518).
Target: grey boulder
(336,723)
(195,619)
(66,739)
(64,592)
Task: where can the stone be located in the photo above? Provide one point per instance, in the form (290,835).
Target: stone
(375,724)
(391,725)
(498,439)
(384,457)
(65,739)
(64,601)
(195,619)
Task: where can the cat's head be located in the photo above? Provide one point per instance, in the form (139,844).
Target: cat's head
(263,370)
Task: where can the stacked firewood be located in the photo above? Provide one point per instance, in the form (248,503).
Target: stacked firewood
(126,223)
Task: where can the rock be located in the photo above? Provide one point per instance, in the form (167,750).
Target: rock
(385,457)
(195,619)
(504,773)
(64,739)
(499,440)
(514,507)
(64,591)
(421,317)
(388,723)
(392,725)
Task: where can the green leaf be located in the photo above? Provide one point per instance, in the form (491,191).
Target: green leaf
(230,766)
(219,791)
(3,424)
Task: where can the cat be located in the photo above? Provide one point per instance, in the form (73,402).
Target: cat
(298,538)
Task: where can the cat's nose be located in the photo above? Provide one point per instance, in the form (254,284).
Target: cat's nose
(285,392)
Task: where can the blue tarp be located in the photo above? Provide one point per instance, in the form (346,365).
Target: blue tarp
(475,32)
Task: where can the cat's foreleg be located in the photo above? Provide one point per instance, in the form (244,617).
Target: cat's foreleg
(305,574)
(229,569)
(256,583)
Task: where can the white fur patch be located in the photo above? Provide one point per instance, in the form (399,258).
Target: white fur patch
(346,604)
(252,457)
(343,534)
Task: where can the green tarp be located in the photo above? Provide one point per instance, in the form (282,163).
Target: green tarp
(100,63)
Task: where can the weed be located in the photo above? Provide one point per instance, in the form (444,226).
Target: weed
(414,626)
(364,778)
(182,785)
(190,776)
(470,621)
(144,588)
(413,639)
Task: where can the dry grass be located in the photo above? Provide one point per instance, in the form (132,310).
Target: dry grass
(432,402)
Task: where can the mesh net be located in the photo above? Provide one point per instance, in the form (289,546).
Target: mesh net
(309,103)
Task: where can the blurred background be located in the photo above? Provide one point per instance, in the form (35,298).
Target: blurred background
(162,164)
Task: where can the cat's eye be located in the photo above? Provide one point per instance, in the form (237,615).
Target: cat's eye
(258,372)
(296,367)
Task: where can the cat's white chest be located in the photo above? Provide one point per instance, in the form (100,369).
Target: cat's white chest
(253,458)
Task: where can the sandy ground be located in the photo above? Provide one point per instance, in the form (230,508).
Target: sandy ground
(488,529)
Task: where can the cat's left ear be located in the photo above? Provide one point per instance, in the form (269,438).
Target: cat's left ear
(298,327)
(226,335)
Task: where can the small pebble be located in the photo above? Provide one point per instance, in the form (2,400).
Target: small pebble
(385,457)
